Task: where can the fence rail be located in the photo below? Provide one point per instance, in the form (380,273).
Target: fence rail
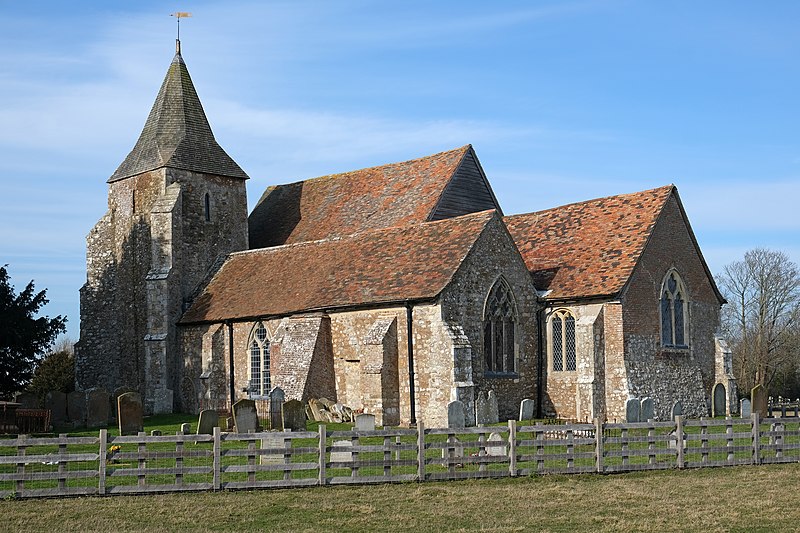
(138,464)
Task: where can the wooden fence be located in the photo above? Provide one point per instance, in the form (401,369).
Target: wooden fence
(107,465)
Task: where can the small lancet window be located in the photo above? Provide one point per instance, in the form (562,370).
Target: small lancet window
(260,382)
(673,311)
(499,330)
(562,341)
(207,207)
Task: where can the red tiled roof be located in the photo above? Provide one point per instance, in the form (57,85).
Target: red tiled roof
(588,248)
(343,204)
(389,265)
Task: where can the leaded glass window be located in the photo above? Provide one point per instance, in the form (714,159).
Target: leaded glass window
(562,341)
(673,311)
(260,383)
(499,330)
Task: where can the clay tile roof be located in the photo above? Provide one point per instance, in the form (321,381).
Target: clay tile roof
(177,133)
(389,265)
(589,248)
(343,204)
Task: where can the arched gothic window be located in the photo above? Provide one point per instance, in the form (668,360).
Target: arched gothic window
(499,330)
(207,207)
(674,305)
(562,341)
(260,383)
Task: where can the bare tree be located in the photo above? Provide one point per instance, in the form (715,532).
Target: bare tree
(761,318)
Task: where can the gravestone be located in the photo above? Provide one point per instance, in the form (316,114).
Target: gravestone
(455,452)
(245,417)
(677,409)
(129,413)
(28,400)
(482,414)
(456,415)
(720,400)
(155,433)
(526,409)
(56,401)
(276,399)
(272,440)
(316,408)
(494,414)
(76,408)
(97,408)
(342,456)
(495,446)
(208,420)
(294,416)
(632,410)
(745,408)
(758,400)
(647,410)
(365,422)
(186,428)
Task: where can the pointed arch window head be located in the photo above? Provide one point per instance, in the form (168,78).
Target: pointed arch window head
(674,306)
(260,379)
(562,341)
(499,330)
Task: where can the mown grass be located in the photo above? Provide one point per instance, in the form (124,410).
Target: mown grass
(713,499)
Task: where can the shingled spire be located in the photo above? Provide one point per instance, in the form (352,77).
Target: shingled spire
(177,133)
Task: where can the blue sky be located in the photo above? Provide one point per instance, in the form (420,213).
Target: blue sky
(563,102)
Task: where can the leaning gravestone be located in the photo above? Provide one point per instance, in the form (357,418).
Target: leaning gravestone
(56,402)
(365,422)
(647,410)
(494,416)
(276,399)
(129,413)
(97,411)
(677,409)
(758,399)
(526,409)
(745,408)
(316,408)
(632,410)
(294,416)
(455,415)
(76,408)
(208,420)
(342,456)
(482,410)
(495,445)
(245,417)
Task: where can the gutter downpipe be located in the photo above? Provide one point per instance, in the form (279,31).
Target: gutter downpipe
(231,388)
(410,344)
(539,362)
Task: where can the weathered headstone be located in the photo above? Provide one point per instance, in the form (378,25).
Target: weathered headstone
(456,415)
(526,409)
(632,410)
(342,456)
(294,416)
(129,413)
(677,409)
(56,401)
(745,408)
(494,413)
(97,411)
(207,421)
(758,400)
(495,446)
(720,401)
(482,414)
(186,428)
(316,408)
(155,433)
(455,452)
(365,422)
(276,399)
(76,408)
(274,441)
(245,417)
(647,410)
(28,400)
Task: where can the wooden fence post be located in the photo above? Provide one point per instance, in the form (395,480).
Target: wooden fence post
(102,457)
(512,448)
(598,435)
(756,437)
(322,455)
(420,451)
(217,459)
(679,441)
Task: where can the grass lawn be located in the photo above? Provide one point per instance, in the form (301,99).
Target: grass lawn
(711,499)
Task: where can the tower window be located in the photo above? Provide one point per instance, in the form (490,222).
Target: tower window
(207,207)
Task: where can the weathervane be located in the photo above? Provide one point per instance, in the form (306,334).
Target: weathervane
(179,15)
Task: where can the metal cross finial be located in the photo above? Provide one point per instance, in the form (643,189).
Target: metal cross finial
(179,15)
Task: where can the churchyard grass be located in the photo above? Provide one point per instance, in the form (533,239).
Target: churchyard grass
(750,498)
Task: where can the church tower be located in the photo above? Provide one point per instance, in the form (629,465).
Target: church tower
(176,204)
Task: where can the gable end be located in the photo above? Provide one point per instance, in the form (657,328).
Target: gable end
(468,191)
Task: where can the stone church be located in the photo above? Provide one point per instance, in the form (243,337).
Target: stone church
(393,290)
